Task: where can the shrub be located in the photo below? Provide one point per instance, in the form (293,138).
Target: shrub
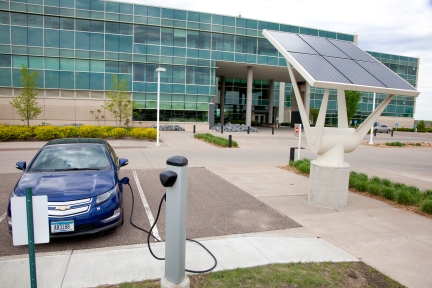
(140,133)
(413,190)
(118,133)
(387,182)
(353,174)
(105,131)
(375,180)
(88,131)
(219,141)
(400,186)
(67,131)
(389,193)
(304,167)
(374,188)
(418,144)
(46,133)
(362,177)
(403,196)
(426,206)
(360,185)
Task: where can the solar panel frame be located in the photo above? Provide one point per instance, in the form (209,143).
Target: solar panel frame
(350,49)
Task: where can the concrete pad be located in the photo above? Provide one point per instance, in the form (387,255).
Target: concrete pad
(300,232)
(90,268)
(286,249)
(404,260)
(360,202)
(293,205)
(427,240)
(50,270)
(268,189)
(402,221)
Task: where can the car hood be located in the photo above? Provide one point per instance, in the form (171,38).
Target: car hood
(67,186)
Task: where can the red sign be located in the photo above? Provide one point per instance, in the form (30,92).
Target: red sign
(296,130)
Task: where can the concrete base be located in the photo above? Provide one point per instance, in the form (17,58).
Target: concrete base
(165,283)
(328,185)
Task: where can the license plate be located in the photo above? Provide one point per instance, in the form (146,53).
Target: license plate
(62,226)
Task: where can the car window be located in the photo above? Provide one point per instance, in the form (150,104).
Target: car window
(113,155)
(71,157)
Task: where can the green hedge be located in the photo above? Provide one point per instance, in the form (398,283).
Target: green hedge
(10,133)
(398,192)
(219,141)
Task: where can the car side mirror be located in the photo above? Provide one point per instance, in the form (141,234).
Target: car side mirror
(123,162)
(21,165)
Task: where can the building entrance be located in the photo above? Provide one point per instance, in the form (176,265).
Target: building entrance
(261,118)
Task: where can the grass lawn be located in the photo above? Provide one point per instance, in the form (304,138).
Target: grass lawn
(344,274)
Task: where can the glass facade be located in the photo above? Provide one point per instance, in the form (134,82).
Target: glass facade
(78,45)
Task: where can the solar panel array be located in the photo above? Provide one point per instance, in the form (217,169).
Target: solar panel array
(331,60)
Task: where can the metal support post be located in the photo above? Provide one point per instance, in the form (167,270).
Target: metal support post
(292,153)
(248,130)
(272,130)
(230,141)
(194,129)
(222,129)
(31,242)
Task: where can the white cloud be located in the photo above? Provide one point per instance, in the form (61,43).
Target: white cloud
(391,26)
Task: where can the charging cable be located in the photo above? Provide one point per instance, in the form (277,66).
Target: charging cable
(149,234)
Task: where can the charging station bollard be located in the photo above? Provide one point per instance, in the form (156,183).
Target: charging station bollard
(175,181)
(194,129)
(230,141)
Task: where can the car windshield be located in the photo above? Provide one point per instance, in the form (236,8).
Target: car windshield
(70,158)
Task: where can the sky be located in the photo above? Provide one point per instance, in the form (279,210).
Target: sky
(398,27)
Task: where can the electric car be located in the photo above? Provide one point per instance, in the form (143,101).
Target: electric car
(81,179)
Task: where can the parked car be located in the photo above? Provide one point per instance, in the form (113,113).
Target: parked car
(80,178)
(382,128)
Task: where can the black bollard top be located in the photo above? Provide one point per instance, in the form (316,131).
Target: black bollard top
(178,161)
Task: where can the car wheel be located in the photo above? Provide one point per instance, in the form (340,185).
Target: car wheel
(388,131)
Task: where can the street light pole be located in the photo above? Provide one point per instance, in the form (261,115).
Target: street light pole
(373,108)
(158,70)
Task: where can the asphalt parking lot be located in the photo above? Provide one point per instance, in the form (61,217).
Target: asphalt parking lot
(215,207)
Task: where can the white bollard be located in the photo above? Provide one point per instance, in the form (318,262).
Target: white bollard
(175,181)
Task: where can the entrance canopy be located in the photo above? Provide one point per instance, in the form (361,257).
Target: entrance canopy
(337,64)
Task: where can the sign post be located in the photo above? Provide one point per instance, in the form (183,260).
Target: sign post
(297,133)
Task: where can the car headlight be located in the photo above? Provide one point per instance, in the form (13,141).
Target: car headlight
(105,196)
(13,194)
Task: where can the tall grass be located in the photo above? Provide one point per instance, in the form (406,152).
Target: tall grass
(219,141)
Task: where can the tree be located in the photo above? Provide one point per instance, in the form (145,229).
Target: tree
(97,115)
(313,115)
(119,103)
(352,99)
(26,103)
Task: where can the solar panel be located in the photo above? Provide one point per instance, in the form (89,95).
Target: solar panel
(293,43)
(354,72)
(319,68)
(386,76)
(353,51)
(324,60)
(323,46)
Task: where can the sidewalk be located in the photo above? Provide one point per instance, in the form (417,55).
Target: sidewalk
(396,242)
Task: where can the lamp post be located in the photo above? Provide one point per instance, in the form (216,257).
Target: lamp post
(158,70)
(373,108)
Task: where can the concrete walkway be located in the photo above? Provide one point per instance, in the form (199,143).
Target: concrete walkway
(395,241)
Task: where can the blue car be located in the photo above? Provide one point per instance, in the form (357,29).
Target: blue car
(81,179)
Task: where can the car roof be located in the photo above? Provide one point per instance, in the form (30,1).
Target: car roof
(76,141)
